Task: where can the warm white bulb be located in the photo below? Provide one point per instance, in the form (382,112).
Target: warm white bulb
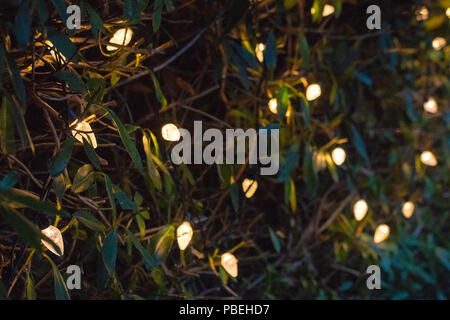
(438,43)
(83,130)
(327,10)
(121,37)
(184,235)
(381,233)
(55,235)
(259,50)
(408,209)
(313,92)
(428,159)
(56,55)
(422,13)
(447,12)
(430,105)
(229,263)
(170,132)
(273,105)
(360,209)
(338,156)
(249,187)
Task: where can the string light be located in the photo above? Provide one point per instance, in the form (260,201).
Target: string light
(360,209)
(53,234)
(428,159)
(170,132)
(83,130)
(273,107)
(121,37)
(56,55)
(184,235)
(422,13)
(229,263)
(313,92)
(430,105)
(327,10)
(259,50)
(338,155)
(447,12)
(438,43)
(381,233)
(249,187)
(408,209)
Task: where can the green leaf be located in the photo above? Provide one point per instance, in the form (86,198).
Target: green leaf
(89,220)
(24,227)
(21,125)
(7,130)
(22,23)
(282,101)
(61,8)
(151,168)
(275,240)
(96,21)
(125,202)
(304,51)
(73,80)
(34,203)
(332,167)
(310,175)
(17,83)
(131,11)
(111,197)
(63,44)
(291,160)
(141,225)
(161,242)
(150,261)
(292,196)
(159,94)
(61,292)
(157,12)
(270,53)
(83,178)
(359,144)
(31,292)
(109,252)
(91,154)
(62,157)
(8,181)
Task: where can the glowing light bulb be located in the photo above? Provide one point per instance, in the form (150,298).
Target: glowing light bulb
(83,130)
(428,159)
(360,209)
(381,233)
(259,50)
(229,263)
(422,13)
(447,12)
(313,92)
(430,105)
(170,132)
(249,187)
(121,37)
(327,10)
(56,55)
(55,235)
(338,155)
(273,107)
(438,43)
(408,209)
(184,235)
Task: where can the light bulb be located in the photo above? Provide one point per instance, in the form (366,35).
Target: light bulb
(313,92)
(430,105)
(121,37)
(428,159)
(447,12)
(184,235)
(56,55)
(55,235)
(83,130)
(408,209)
(360,209)
(273,107)
(327,10)
(438,43)
(381,233)
(249,187)
(259,50)
(422,13)
(170,132)
(338,155)
(229,263)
